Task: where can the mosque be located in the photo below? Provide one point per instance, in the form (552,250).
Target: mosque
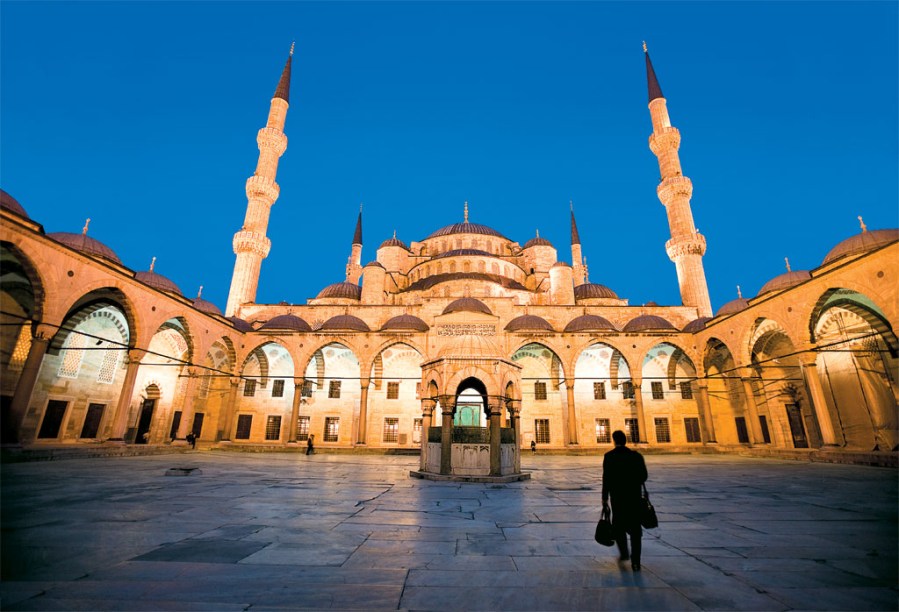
(463,336)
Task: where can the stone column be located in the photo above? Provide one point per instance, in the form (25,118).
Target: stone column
(40,339)
(123,406)
(226,423)
(495,439)
(427,409)
(705,412)
(187,408)
(572,413)
(755,426)
(641,417)
(819,404)
(295,412)
(363,411)
(446,437)
(515,412)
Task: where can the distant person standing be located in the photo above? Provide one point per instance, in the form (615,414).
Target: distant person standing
(310,449)
(623,475)
(534,447)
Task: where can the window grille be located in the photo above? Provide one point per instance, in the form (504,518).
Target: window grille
(632,430)
(599,390)
(391,429)
(278,388)
(244,422)
(603,431)
(20,352)
(657,392)
(686,390)
(332,428)
(249,388)
(539,390)
(663,432)
(393,390)
(627,389)
(273,427)
(691,427)
(71,358)
(307,389)
(334,389)
(541,429)
(302,428)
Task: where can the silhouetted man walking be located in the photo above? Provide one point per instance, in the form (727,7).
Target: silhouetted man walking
(623,475)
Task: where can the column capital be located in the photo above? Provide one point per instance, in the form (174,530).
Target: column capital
(808,359)
(135,355)
(43,332)
(364,383)
(234,381)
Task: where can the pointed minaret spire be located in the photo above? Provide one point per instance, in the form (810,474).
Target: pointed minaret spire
(354,263)
(357,235)
(578,264)
(283,89)
(655,91)
(575,237)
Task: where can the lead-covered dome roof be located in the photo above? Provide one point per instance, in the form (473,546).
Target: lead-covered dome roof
(593,290)
(861,243)
(696,325)
(405,322)
(648,322)
(239,324)
(529,323)
(467,304)
(785,281)
(733,306)
(345,322)
(85,244)
(157,281)
(287,322)
(206,306)
(466,228)
(394,242)
(461,252)
(344,290)
(589,323)
(537,241)
(11,204)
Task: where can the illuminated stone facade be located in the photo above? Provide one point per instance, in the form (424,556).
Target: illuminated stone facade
(465,327)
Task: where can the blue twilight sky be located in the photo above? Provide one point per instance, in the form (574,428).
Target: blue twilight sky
(143,117)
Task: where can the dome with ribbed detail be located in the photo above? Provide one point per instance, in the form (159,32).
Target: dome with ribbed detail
(861,243)
(467,304)
(405,322)
(286,322)
(345,323)
(85,244)
(529,323)
(696,325)
(537,241)
(348,291)
(461,252)
(589,291)
(157,281)
(785,281)
(733,306)
(7,202)
(648,322)
(466,228)
(206,306)
(589,323)
(240,324)
(394,242)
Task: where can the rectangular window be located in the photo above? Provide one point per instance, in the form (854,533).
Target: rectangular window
(176,423)
(657,392)
(416,431)
(302,428)
(603,431)
(766,435)
(92,420)
(249,388)
(539,391)
(273,428)
(244,422)
(307,389)
(686,390)
(742,433)
(332,429)
(393,390)
(56,409)
(541,429)
(663,432)
(691,427)
(391,429)
(627,389)
(198,424)
(632,430)
(278,388)
(599,390)
(334,389)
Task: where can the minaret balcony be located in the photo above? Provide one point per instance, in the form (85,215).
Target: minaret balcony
(271,139)
(685,245)
(262,188)
(667,139)
(246,241)
(674,187)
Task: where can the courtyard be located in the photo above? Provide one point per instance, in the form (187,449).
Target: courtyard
(281,531)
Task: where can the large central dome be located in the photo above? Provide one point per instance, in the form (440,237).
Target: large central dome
(466,228)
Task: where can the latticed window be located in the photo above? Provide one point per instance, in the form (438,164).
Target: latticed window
(393,390)
(541,430)
(391,429)
(599,390)
(603,431)
(663,432)
(278,388)
(273,427)
(539,391)
(71,358)
(244,423)
(20,352)
(334,389)
(686,390)
(106,373)
(627,389)
(657,392)
(691,427)
(332,429)
(307,389)
(302,428)
(249,388)
(632,430)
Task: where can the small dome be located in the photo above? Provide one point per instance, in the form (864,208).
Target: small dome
(460,252)
(648,323)
(345,323)
(785,281)
(157,281)
(240,324)
(561,264)
(470,346)
(733,306)
(860,243)
(374,264)
(287,322)
(467,304)
(7,202)
(405,322)
(349,291)
(696,325)
(85,244)
(529,323)
(206,306)
(394,242)
(589,291)
(537,241)
(466,228)
(588,323)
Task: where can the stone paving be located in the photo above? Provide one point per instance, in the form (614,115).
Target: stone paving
(284,531)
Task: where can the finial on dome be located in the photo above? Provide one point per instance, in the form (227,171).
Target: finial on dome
(152,264)
(291,47)
(538,233)
(862,224)
(787,259)
(394,234)
(84,229)
(739,293)
(465,213)
(645,50)
(200,292)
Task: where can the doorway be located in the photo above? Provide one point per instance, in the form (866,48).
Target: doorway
(797,429)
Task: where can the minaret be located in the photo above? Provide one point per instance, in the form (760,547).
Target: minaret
(251,245)
(354,263)
(577,261)
(687,245)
